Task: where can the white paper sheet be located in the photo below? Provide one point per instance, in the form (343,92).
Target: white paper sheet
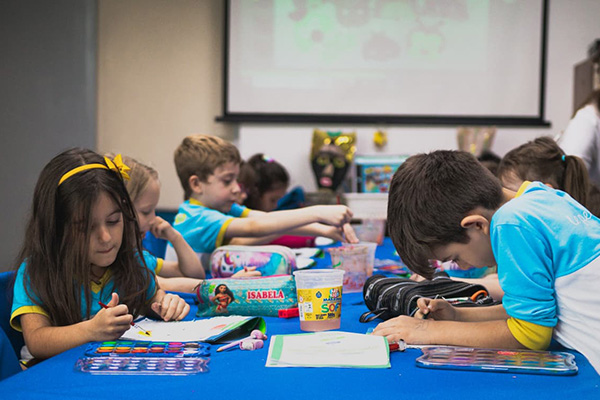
(329,349)
(183,331)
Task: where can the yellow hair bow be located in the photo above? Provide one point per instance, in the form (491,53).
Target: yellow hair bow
(116,165)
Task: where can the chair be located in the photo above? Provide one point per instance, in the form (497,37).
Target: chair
(6,295)
(11,341)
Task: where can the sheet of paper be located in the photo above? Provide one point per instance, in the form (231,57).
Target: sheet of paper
(183,331)
(329,349)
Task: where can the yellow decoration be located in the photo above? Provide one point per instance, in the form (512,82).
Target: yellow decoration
(380,138)
(345,141)
(118,165)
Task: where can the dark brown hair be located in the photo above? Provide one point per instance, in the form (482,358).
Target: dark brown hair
(200,155)
(543,160)
(429,196)
(268,174)
(55,249)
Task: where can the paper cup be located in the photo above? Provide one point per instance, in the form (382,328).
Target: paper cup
(319,298)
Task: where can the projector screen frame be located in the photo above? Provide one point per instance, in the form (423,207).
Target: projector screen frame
(388,119)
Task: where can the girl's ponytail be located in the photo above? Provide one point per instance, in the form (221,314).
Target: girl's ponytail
(576,180)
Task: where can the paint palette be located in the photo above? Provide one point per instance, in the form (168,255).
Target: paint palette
(141,365)
(496,360)
(122,348)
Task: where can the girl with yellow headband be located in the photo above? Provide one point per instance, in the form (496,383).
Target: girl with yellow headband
(82,249)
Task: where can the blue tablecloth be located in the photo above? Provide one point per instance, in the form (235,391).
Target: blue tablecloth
(242,375)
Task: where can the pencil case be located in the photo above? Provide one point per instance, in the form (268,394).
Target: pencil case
(387,297)
(256,296)
(269,260)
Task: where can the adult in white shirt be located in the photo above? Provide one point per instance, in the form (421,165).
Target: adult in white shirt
(582,136)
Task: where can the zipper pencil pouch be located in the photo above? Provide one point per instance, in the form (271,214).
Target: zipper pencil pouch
(256,296)
(269,260)
(388,297)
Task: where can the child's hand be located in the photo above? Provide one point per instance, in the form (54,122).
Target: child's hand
(246,272)
(171,307)
(332,232)
(411,330)
(349,234)
(112,322)
(161,229)
(438,309)
(417,278)
(333,215)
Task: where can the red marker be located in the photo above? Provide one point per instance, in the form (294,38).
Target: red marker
(398,346)
(132,323)
(288,313)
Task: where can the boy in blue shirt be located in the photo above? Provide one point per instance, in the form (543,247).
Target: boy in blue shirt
(446,206)
(208,167)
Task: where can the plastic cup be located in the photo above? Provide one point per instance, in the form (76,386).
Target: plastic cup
(319,298)
(371,255)
(370,230)
(354,260)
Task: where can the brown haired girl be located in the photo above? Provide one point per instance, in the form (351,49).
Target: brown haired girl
(83,248)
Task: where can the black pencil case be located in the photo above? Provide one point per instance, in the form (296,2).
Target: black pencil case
(389,297)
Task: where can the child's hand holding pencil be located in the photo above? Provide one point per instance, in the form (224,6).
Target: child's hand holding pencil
(112,321)
(436,308)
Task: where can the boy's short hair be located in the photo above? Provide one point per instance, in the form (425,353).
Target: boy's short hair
(200,155)
(429,196)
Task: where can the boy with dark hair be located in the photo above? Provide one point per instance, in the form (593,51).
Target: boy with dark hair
(446,206)
(208,167)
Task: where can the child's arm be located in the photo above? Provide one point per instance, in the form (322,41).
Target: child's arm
(188,263)
(490,334)
(168,306)
(178,284)
(45,340)
(448,325)
(279,222)
(442,310)
(344,234)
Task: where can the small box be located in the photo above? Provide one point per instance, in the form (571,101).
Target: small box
(374,173)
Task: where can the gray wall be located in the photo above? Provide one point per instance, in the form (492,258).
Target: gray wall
(47,99)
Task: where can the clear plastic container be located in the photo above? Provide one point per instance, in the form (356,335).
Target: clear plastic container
(319,298)
(372,246)
(354,260)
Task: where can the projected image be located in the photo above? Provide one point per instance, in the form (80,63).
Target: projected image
(414,57)
(343,34)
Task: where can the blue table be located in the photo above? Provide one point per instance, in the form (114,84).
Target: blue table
(240,374)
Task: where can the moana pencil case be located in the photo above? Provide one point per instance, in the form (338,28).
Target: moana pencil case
(256,296)
(269,260)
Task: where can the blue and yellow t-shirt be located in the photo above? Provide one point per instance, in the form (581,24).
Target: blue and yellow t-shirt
(204,228)
(547,248)
(100,292)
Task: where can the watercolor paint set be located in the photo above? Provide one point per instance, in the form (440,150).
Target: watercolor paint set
(123,348)
(124,357)
(496,360)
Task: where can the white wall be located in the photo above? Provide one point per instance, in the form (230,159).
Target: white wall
(160,79)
